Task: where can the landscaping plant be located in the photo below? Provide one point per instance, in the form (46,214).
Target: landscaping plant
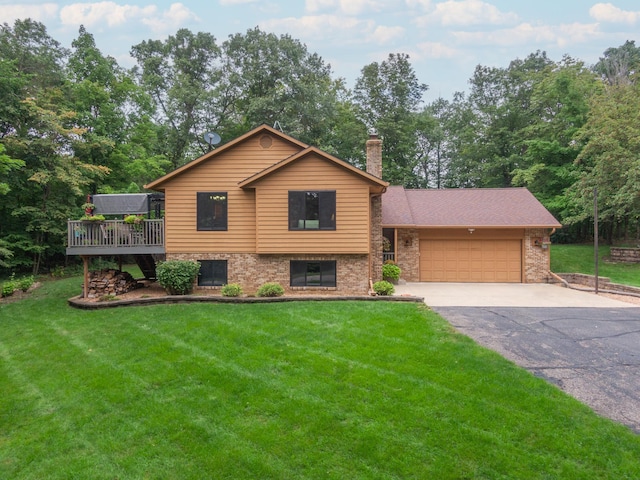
(270,289)
(383,288)
(178,276)
(231,290)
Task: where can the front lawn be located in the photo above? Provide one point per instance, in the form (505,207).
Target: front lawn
(342,390)
(580,259)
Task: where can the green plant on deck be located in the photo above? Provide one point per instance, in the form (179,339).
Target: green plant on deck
(134,219)
(92,218)
(178,276)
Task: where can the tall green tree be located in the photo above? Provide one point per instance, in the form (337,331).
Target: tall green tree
(619,65)
(500,100)
(560,101)
(181,74)
(275,80)
(388,96)
(610,162)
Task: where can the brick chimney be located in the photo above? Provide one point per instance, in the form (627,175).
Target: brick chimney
(374,167)
(374,154)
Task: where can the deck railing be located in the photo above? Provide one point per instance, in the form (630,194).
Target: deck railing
(114,234)
(388,256)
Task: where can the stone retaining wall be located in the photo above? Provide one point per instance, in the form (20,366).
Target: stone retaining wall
(604,283)
(627,255)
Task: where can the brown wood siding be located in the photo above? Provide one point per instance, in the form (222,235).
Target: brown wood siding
(220,174)
(351,235)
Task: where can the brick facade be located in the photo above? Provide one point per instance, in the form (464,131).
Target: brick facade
(252,270)
(537,256)
(408,254)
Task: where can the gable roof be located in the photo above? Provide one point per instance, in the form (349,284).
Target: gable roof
(154,185)
(375,181)
(473,207)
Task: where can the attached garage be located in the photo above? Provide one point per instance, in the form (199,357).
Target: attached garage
(471,261)
(468,235)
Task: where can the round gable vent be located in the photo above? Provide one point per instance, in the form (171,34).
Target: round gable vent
(266,141)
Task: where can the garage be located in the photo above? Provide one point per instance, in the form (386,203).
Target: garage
(471,260)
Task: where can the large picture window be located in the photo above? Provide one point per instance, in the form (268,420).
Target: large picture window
(313,273)
(212,210)
(312,210)
(213,273)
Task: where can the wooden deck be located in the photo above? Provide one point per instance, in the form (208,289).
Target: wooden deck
(114,237)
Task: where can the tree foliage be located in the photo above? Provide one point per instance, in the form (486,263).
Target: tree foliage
(74,122)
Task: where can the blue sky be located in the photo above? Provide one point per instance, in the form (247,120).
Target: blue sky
(445,39)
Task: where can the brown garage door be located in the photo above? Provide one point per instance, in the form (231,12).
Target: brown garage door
(470,261)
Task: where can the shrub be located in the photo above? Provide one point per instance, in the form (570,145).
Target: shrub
(231,290)
(133,219)
(391,271)
(383,288)
(25,283)
(9,287)
(270,290)
(178,276)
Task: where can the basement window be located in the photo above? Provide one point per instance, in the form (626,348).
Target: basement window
(213,273)
(313,273)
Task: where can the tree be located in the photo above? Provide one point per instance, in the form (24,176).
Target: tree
(181,74)
(619,66)
(388,96)
(560,101)
(610,161)
(276,81)
(500,100)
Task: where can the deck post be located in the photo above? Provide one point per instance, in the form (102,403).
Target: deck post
(85,283)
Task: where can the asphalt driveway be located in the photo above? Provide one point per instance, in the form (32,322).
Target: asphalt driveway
(586,344)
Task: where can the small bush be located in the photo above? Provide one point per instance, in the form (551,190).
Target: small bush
(108,298)
(8,287)
(270,290)
(383,288)
(25,283)
(231,290)
(391,271)
(178,276)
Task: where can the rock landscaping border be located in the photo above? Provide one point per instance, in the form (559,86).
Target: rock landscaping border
(81,303)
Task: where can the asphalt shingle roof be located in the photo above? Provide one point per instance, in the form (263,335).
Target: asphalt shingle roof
(473,207)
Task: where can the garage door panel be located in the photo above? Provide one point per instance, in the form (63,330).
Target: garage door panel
(471,260)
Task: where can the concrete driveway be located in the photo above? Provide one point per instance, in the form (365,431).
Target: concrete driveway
(586,344)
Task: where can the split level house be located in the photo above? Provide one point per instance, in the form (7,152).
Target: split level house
(266,207)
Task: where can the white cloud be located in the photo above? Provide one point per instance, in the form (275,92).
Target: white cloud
(39,12)
(537,36)
(177,16)
(383,35)
(423,4)
(466,12)
(320,26)
(225,3)
(346,7)
(606,12)
(112,15)
(434,50)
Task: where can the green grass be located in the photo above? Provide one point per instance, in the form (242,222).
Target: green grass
(580,259)
(372,390)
